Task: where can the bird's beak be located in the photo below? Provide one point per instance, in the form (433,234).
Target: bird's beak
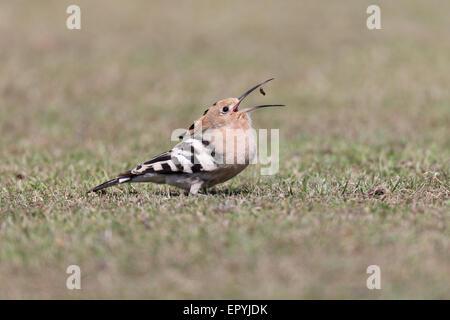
(241,98)
(263,106)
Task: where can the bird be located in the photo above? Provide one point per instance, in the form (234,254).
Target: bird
(204,157)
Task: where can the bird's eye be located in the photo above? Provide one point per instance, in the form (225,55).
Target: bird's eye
(225,109)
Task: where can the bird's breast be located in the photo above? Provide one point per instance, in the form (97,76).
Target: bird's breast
(232,144)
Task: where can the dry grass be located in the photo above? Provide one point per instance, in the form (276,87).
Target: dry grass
(365,149)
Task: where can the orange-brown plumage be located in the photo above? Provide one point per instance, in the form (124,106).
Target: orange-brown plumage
(215,148)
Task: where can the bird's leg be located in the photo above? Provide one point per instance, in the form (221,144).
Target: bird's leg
(195,187)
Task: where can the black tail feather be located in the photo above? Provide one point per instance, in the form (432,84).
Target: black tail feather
(107,184)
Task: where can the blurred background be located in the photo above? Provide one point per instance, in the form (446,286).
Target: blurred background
(79,106)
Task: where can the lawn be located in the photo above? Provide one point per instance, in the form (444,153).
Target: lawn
(364,174)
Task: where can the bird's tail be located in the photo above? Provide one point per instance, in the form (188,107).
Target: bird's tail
(122,178)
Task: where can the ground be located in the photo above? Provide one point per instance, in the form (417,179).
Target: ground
(364,149)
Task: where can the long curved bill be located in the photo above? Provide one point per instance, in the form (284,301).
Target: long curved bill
(241,98)
(262,106)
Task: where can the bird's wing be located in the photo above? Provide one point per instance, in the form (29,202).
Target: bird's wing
(189,156)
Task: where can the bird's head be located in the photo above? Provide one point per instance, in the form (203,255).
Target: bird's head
(226,112)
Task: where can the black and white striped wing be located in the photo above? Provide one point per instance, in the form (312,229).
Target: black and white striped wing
(189,156)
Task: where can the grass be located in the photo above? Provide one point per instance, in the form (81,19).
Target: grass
(364,150)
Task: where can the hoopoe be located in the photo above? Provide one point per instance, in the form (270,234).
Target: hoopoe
(204,157)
